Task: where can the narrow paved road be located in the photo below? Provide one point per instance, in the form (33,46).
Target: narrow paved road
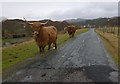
(84,59)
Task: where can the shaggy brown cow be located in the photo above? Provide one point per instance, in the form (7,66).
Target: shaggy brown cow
(44,35)
(71,30)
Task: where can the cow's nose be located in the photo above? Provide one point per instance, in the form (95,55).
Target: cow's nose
(36,32)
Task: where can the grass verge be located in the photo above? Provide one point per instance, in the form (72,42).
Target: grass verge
(18,52)
(12,39)
(111,43)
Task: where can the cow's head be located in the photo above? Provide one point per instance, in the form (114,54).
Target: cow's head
(72,27)
(36,26)
(69,28)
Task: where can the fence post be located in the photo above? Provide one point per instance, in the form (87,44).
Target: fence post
(118,31)
(114,30)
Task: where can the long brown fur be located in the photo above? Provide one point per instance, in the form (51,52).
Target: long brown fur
(71,30)
(45,35)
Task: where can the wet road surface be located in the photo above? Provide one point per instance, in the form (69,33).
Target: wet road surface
(83,59)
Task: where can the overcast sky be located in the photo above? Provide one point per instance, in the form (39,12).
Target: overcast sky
(59,10)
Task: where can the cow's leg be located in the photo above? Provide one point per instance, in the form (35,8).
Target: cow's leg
(55,45)
(49,46)
(69,35)
(73,35)
(40,49)
(43,49)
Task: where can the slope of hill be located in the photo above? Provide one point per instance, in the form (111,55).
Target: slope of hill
(59,25)
(14,27)
(75,20)
(17,27)
(99,22)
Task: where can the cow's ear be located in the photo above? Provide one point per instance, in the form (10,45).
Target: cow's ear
(65,28)
(69,26)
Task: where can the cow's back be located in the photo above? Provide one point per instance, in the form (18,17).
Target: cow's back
(52,33)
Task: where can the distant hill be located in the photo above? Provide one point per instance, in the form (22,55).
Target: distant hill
(114,21)
(99,22)
(60,25)
(14,27)
(75,20)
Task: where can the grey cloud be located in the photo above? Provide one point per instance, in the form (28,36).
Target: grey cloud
(60,11)
(91,10)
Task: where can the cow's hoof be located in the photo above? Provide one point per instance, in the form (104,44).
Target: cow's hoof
(54,48)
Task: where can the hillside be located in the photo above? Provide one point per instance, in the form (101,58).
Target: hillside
(18,28)
(75,20)
(59,25)
(14,27)
(99,22)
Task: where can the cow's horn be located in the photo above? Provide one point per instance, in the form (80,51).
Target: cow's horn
(28,22)
(45,23)
(65,28)
(24,19)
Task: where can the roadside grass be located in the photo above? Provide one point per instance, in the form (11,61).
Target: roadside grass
(111,43)
(18,52)
(80,31)
(13,39)
(113,30)
(10,39)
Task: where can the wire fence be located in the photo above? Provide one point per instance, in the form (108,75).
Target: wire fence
(112,30)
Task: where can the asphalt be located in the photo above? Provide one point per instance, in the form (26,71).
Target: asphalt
(83,59)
